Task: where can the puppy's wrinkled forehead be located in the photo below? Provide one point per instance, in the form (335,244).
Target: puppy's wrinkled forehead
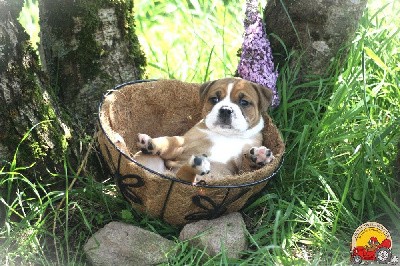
(238,90)
(232,88)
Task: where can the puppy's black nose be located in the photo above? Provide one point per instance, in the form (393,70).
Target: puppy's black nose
(225,111)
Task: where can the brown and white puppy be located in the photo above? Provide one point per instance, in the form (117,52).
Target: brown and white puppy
(228,140)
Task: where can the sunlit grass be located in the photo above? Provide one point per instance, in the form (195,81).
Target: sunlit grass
(190,40)
(29,18)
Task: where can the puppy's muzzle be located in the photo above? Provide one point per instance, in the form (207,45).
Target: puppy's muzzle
(225,114)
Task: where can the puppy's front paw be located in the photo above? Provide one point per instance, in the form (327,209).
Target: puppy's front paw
(145,144)
(200,164)
(260,156)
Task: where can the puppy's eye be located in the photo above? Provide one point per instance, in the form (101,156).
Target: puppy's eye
(244,103)
(214,100)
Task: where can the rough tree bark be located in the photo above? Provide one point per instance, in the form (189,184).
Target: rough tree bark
(315,29)
(25,98)
(87,47)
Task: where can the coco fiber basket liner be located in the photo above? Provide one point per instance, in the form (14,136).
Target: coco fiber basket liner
(168,108)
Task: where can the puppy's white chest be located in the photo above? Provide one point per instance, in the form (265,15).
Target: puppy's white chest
(225,148)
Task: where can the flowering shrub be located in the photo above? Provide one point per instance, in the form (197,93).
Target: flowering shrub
(256,63)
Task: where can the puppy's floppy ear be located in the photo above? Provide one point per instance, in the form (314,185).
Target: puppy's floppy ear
(265,95)
(204,88)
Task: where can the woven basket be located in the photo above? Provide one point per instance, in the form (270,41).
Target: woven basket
(168,108)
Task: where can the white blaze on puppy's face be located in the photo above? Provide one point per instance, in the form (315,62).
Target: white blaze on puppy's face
(226,116)
(233,106)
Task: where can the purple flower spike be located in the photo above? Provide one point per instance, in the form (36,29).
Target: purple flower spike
(256,59)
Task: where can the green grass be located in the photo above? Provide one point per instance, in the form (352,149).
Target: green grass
(196,40)
(340,133)
(29,18)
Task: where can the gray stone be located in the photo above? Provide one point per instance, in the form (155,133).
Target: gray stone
(227,232)
(123,244)
(316,29)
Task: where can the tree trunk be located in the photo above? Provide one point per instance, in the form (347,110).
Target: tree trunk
(88,47)
(315,29)
(25,99)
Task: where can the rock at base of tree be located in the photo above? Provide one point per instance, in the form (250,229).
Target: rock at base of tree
(225,233)
(316,29)
(123,244)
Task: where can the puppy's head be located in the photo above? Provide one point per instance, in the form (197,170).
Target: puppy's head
(233,106)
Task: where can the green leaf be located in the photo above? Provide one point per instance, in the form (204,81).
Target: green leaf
(376,58)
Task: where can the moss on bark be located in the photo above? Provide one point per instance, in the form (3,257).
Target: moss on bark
(24,101)
(88,47)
